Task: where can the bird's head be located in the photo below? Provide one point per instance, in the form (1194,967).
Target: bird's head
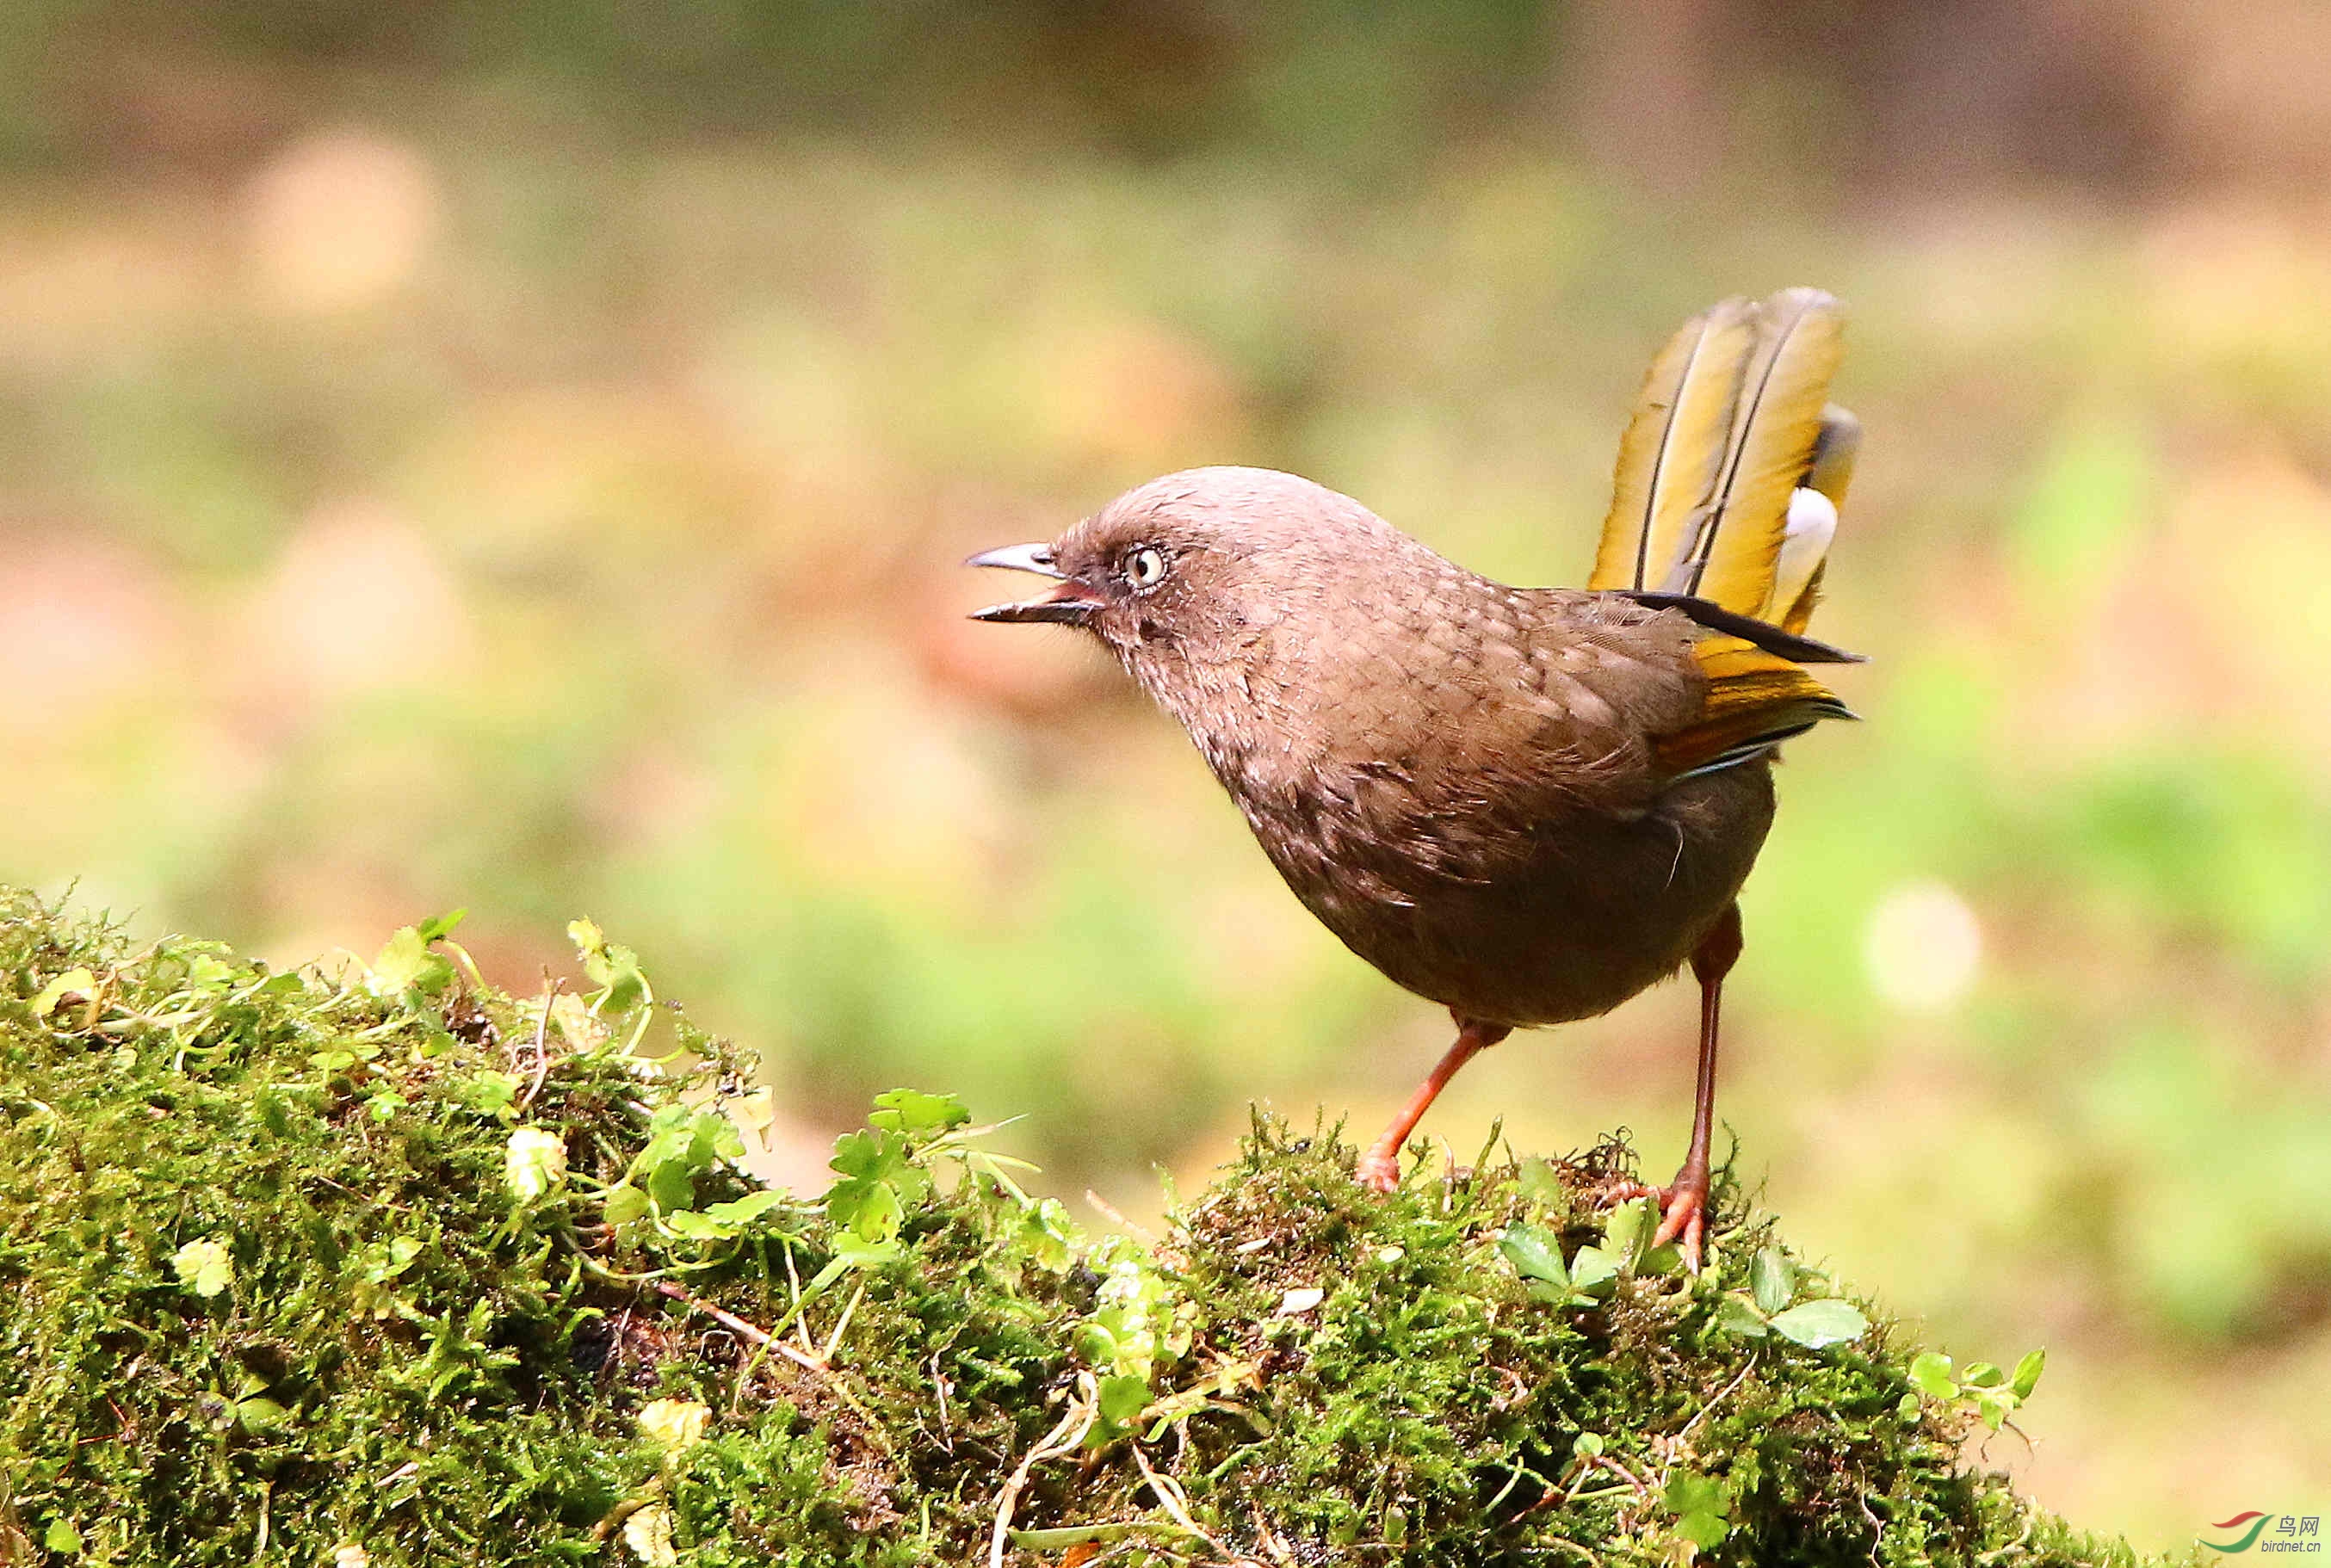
(1185,578)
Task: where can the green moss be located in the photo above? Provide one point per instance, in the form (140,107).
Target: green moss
(291,1265)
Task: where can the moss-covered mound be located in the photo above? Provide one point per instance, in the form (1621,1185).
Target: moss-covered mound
(394,1269)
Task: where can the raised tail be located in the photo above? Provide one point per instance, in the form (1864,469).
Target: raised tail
(1729,480)
(1734,465)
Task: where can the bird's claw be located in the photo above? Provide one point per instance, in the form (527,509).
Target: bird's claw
(1379,1171)
(1683,1211)
(1683,1220)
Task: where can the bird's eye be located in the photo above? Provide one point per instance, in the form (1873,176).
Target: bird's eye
(1145,566)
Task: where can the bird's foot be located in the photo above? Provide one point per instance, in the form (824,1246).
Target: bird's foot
(1379,1169)
(1683,1211)
(1683,1218)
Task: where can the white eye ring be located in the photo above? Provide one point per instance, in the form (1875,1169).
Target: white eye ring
(1145,566)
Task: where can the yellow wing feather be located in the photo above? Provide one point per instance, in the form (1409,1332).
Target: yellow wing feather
(1754,701)
(1672,455)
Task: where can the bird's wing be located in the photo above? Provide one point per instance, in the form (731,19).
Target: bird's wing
(1754,701)
(1733,466)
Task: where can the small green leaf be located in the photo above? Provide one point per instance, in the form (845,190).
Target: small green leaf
(1587,1445)
(61,1537)
(879,1217)
(625,1203)
(1047,1235)
(1630,1225)
(612,966)
(1123,1397)
(1983,1374)
(1773,1278)
(1738,1316)
(1592,1271)
(1907,1407)
(2027,1373)
(204,1267)
(1815,1323)
(489,1093)
(740,1212)
(1705,1531)
(672,1186)
(261,1414)
(1536,1253)
(913,1112)
(1688,1493)
(1993,1405)
(384,1262)
(1930,1374)
(1701,1506)
(406,966)
(1541,1184)
(694,1225)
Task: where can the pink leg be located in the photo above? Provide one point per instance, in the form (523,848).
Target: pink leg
(1380,1166)
(1683,1209)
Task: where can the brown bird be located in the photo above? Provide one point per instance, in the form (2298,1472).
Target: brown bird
(1527,804)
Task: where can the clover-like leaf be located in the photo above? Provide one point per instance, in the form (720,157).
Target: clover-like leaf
(1825,1322)
(1122,1397)
(204,1267)
(406,966)
(1702,1507)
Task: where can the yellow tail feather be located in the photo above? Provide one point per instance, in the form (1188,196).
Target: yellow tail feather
(1671,456)
(1730,423)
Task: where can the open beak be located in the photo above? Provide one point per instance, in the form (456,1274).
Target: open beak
(1071,604)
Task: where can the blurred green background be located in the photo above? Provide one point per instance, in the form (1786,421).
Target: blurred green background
(516,455)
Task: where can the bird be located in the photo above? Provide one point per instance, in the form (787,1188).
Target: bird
(1525,804)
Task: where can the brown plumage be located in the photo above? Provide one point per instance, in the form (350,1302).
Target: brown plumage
(1527,804)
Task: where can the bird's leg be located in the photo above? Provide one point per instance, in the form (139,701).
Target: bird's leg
(1683,1206)
(1380,1166)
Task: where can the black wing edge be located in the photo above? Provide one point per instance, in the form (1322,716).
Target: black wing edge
(1772,638)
